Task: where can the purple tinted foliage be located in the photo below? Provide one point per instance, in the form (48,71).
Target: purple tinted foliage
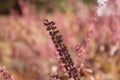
(63,53)
(4,74)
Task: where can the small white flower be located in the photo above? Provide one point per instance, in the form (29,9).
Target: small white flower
(102,1)
(54,69)
(102,4)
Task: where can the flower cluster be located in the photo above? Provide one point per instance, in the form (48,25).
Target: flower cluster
(4,75)
(63,54)
(57,76)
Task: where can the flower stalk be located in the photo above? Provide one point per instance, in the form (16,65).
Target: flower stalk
(62,50)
